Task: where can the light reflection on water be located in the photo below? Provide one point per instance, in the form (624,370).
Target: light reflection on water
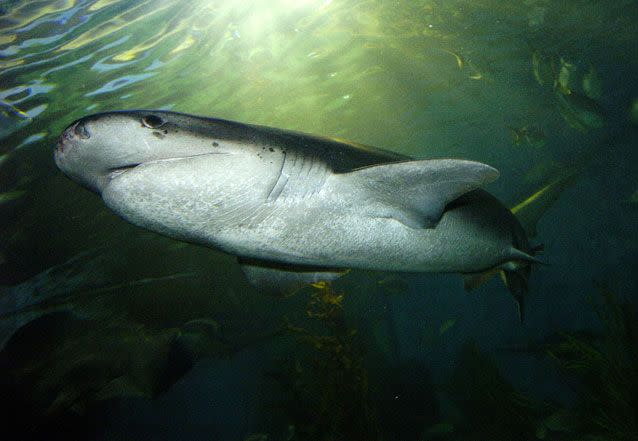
(120,83)
(280,55)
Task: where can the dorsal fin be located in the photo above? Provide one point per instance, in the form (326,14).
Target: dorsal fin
(415,193)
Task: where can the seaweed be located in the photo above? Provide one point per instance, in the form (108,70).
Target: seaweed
(604,368)
(490,407)
(325,385)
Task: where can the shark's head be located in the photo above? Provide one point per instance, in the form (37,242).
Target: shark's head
(94,149)
(165,171)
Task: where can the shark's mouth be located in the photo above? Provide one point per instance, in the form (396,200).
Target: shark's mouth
(116,171)
(123,168)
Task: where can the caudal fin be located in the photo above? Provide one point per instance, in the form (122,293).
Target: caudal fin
(514,273)
(516,282)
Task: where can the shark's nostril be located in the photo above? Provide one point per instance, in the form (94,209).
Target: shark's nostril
(81,130)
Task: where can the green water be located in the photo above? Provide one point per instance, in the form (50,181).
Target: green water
(381,72)
(530,87)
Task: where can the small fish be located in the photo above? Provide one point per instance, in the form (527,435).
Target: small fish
(531,135)
(460,61)
(565,80)
(542,68)
(475,74)
(579,111)
(592,84)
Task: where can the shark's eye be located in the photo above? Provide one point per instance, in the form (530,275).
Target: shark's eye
(152,121)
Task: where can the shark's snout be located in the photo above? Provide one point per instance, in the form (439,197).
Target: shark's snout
(80,130)
(77,130)
(73,134)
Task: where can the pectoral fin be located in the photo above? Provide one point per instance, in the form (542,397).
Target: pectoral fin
(281,279)
(415,193)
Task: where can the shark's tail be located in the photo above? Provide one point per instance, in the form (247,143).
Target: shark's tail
(517,279)
(516,270)
(514,274)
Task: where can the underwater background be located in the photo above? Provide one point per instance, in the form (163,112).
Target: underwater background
(110,332)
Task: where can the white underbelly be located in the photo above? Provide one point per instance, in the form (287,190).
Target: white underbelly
(319,236)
